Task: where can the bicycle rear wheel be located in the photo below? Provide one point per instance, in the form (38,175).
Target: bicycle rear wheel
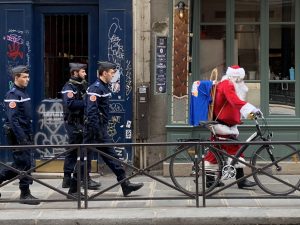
(289,165)
(182,171)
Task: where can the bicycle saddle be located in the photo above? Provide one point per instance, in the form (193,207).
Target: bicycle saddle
(189,139)
(208,123)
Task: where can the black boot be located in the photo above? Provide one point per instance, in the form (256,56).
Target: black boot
(73,190)
(26,195)
(128,187)
(92,185)
(244,183)
(66,181)
(210,180)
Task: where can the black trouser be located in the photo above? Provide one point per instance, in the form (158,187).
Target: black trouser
(21,161)
(116,167)
(75,136)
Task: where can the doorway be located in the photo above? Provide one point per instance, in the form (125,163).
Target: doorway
(66,40)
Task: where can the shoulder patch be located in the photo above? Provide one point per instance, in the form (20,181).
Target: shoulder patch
(12,105)
(93,98)
(70,94)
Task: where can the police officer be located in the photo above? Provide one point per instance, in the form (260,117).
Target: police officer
(72,95)
(96,121)
(18,130)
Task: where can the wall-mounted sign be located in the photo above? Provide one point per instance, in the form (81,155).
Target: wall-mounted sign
(161,65)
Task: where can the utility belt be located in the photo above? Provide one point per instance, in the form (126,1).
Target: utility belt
(101,120)
(74,118)
(12,139)
(10,135)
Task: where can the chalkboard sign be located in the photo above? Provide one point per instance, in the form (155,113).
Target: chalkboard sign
(161,65)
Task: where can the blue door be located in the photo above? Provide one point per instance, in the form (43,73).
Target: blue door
(15,49)
(63,34)
(115,35)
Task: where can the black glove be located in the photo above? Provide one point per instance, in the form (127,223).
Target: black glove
(25,141)
(31,138)
(97,135)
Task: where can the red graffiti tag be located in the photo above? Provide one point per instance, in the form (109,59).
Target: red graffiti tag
(14,51)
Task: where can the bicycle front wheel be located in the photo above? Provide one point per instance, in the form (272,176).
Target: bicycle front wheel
(272,177)
(182,171)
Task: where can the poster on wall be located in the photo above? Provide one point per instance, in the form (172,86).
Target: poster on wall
(161,65)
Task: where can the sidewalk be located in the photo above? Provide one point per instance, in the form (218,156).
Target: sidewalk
(144,212)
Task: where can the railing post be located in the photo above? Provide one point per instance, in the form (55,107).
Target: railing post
(85,178)
(203,177)
(78,177)
(197,175)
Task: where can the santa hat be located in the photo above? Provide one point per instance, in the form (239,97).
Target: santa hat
(235,71)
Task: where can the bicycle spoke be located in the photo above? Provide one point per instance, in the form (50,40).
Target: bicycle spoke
(182,172)
(277,180)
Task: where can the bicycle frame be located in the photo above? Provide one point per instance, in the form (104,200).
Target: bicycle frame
(254,136)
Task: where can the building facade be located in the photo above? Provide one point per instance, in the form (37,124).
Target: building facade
(161,47)
(258,35)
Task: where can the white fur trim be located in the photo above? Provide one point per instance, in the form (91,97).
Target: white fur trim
(247,109)
(210,166)
(238,164)
(240,72)
(225,130)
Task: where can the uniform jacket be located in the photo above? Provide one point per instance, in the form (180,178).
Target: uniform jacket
(72,95)
(18,112)
(97,105)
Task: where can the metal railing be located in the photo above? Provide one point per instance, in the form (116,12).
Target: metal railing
(135,172)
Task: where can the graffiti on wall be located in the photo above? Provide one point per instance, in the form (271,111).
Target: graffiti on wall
(18,50)
(116,54)
(51,127)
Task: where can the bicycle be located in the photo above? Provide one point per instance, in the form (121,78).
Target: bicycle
(271,170)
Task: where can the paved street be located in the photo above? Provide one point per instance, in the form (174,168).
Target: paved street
(124,211)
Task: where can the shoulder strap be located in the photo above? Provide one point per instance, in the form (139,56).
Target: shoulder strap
(220,110)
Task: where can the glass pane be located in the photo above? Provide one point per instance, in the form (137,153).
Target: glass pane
(282,98)
(247,10)
(212,50)
(213,11)
(247,49)
(282,64)
(253,95)
(282,10)
(281,51)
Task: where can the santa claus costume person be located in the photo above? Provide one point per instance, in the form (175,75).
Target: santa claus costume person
(229,107)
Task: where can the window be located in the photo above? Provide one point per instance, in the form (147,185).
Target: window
(282,57)
(212,37)
(66,40)
(247,45)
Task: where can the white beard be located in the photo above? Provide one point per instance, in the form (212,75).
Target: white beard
(241,89)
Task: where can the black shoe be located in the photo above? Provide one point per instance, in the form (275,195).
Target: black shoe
(209,184)
(210,181)
(66,182)
(26,195)
(75,195)
(245,184)
(92,185)
(128,187)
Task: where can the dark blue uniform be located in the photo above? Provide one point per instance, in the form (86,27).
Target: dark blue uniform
(72,93)
(18,130)
(96,121)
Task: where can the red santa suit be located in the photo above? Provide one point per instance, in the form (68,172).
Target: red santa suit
(229,107)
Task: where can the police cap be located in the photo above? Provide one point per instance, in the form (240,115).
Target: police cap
(76,66)
(20,69)
(105,65)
